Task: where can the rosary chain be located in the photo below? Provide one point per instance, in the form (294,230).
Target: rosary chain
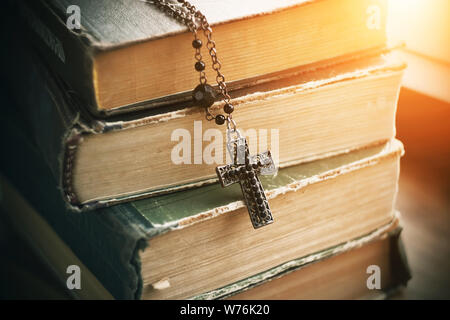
(210,45)
(189,15)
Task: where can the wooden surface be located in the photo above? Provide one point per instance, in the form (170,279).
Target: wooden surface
(423,126)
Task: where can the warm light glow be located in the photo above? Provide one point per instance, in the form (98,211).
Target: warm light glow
(424,26)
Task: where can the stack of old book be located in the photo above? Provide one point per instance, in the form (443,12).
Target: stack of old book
(106,145)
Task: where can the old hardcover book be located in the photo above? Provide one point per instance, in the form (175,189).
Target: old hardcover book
(128,55)
(107,244)
(310,116)
(201,239)
(177,245)
(49,248)
(336,273)
(339,272)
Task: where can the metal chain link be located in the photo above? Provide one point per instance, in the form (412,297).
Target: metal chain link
(189,15)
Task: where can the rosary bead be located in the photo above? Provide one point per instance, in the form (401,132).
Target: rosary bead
(228,108)
(204,96)
(197,43)
(200,66)
(220,119)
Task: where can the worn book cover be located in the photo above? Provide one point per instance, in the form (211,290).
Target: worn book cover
(342,107)
(126,55)
(111,241)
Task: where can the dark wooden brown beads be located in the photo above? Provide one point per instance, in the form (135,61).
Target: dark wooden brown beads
(204,95)
(200,66)
(228,108)
(197,43)
(220,119)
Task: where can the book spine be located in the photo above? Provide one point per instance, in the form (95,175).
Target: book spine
(68,53)
(108,241)
(399,262)
(55,119)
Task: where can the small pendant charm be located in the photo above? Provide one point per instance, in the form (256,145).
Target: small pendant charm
(245,170)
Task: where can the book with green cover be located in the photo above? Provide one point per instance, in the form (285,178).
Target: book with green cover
(42,243)
(295,279)
(340,273)
(342,107)
(110,241)
(107,243)
(127,55)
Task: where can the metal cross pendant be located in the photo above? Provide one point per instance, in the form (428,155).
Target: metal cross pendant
(245,170)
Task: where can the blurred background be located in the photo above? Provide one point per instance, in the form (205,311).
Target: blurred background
(423,126)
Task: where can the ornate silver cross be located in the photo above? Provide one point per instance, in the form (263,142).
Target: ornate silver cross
(245,170)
